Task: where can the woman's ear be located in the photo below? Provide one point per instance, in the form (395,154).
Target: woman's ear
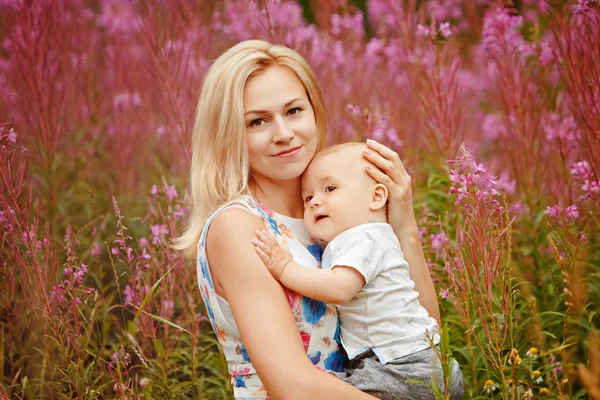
(379,197)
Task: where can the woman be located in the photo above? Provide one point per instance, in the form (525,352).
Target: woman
(260,120)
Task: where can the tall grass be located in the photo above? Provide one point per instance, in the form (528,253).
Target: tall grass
(494,110)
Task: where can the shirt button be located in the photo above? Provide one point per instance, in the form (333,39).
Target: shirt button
(365,328)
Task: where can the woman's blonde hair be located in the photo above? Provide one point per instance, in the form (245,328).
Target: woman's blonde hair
(220,167)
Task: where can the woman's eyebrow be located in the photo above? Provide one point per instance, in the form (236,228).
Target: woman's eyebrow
(266,112)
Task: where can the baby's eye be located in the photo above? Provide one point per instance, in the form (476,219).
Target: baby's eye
(307,199)
(294,111)
(329,189)
(257,122)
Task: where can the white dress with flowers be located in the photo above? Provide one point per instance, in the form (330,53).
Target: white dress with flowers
(317,322)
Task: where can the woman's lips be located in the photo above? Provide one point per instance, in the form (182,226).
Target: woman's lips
(288,153)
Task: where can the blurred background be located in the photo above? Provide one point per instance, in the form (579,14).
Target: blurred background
(493,106)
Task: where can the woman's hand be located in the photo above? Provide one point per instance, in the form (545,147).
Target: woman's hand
(401,215)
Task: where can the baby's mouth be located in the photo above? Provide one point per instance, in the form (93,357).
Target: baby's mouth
(320,217)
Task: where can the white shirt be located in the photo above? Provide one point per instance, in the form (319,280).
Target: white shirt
(385,316)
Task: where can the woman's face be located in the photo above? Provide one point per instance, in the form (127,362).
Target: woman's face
(280,124)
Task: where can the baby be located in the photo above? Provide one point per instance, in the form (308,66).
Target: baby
(383,328)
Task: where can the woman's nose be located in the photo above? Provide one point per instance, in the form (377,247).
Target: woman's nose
(283,132)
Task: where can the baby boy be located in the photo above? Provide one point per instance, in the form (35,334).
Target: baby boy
(383,328)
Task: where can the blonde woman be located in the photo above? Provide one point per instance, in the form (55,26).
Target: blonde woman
(260,120)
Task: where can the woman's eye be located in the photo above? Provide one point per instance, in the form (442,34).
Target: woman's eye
(330,189)
(294,111)
(257,122)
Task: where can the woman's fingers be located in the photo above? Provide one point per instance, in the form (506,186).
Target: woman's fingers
(379,176)
(385,158)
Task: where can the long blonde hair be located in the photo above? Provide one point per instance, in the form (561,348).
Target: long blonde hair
(220,167)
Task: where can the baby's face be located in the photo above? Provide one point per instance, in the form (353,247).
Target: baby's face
(337,193)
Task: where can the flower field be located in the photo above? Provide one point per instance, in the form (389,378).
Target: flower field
(494,108)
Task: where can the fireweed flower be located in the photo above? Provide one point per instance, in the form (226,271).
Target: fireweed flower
(553,211)
(170,191)
(474,186)
(158,231)
(444,294)
(12,136)
(571,212)
(423,31)
(437,241)
(95,250)
(444,29)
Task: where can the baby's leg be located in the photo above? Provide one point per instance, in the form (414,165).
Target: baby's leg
(390,381)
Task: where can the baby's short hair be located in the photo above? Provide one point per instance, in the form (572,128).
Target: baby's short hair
(340,147)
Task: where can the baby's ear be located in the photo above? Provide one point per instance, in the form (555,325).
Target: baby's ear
(379,197)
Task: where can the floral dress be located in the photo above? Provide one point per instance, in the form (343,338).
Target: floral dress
(317,322)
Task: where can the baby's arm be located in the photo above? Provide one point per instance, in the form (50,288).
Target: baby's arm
(333,286)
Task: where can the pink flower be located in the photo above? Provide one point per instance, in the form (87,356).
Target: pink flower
(154,190)
(158,231)
(581,169)
(170,191)
(437,241)
(454,176)
(553,211)
(492,127)
(444,29)
(423,31)
(12,136)
(95,249)
(129,295)
(354,110)
(444,294)
(571,212)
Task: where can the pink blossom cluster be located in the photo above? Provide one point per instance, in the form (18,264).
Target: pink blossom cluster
(73,278)
(584,176)
(502,35)
(442,30)
(472,184)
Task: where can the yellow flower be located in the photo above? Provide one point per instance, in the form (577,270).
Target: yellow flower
(518,359)
(544,391)
(537,376)
(532,352)
(536,373)
(489,386)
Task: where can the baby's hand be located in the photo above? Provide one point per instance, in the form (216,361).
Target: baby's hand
(274,254)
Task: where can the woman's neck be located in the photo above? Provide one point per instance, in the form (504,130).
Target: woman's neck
(283,197)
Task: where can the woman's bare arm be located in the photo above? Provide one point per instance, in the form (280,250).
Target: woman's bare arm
(401,217)
(263,316)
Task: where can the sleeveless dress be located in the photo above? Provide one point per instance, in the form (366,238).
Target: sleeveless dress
(317,322)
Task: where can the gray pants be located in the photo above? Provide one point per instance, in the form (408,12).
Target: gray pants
(389,381)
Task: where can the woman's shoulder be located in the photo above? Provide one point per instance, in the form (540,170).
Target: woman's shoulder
(238,215)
